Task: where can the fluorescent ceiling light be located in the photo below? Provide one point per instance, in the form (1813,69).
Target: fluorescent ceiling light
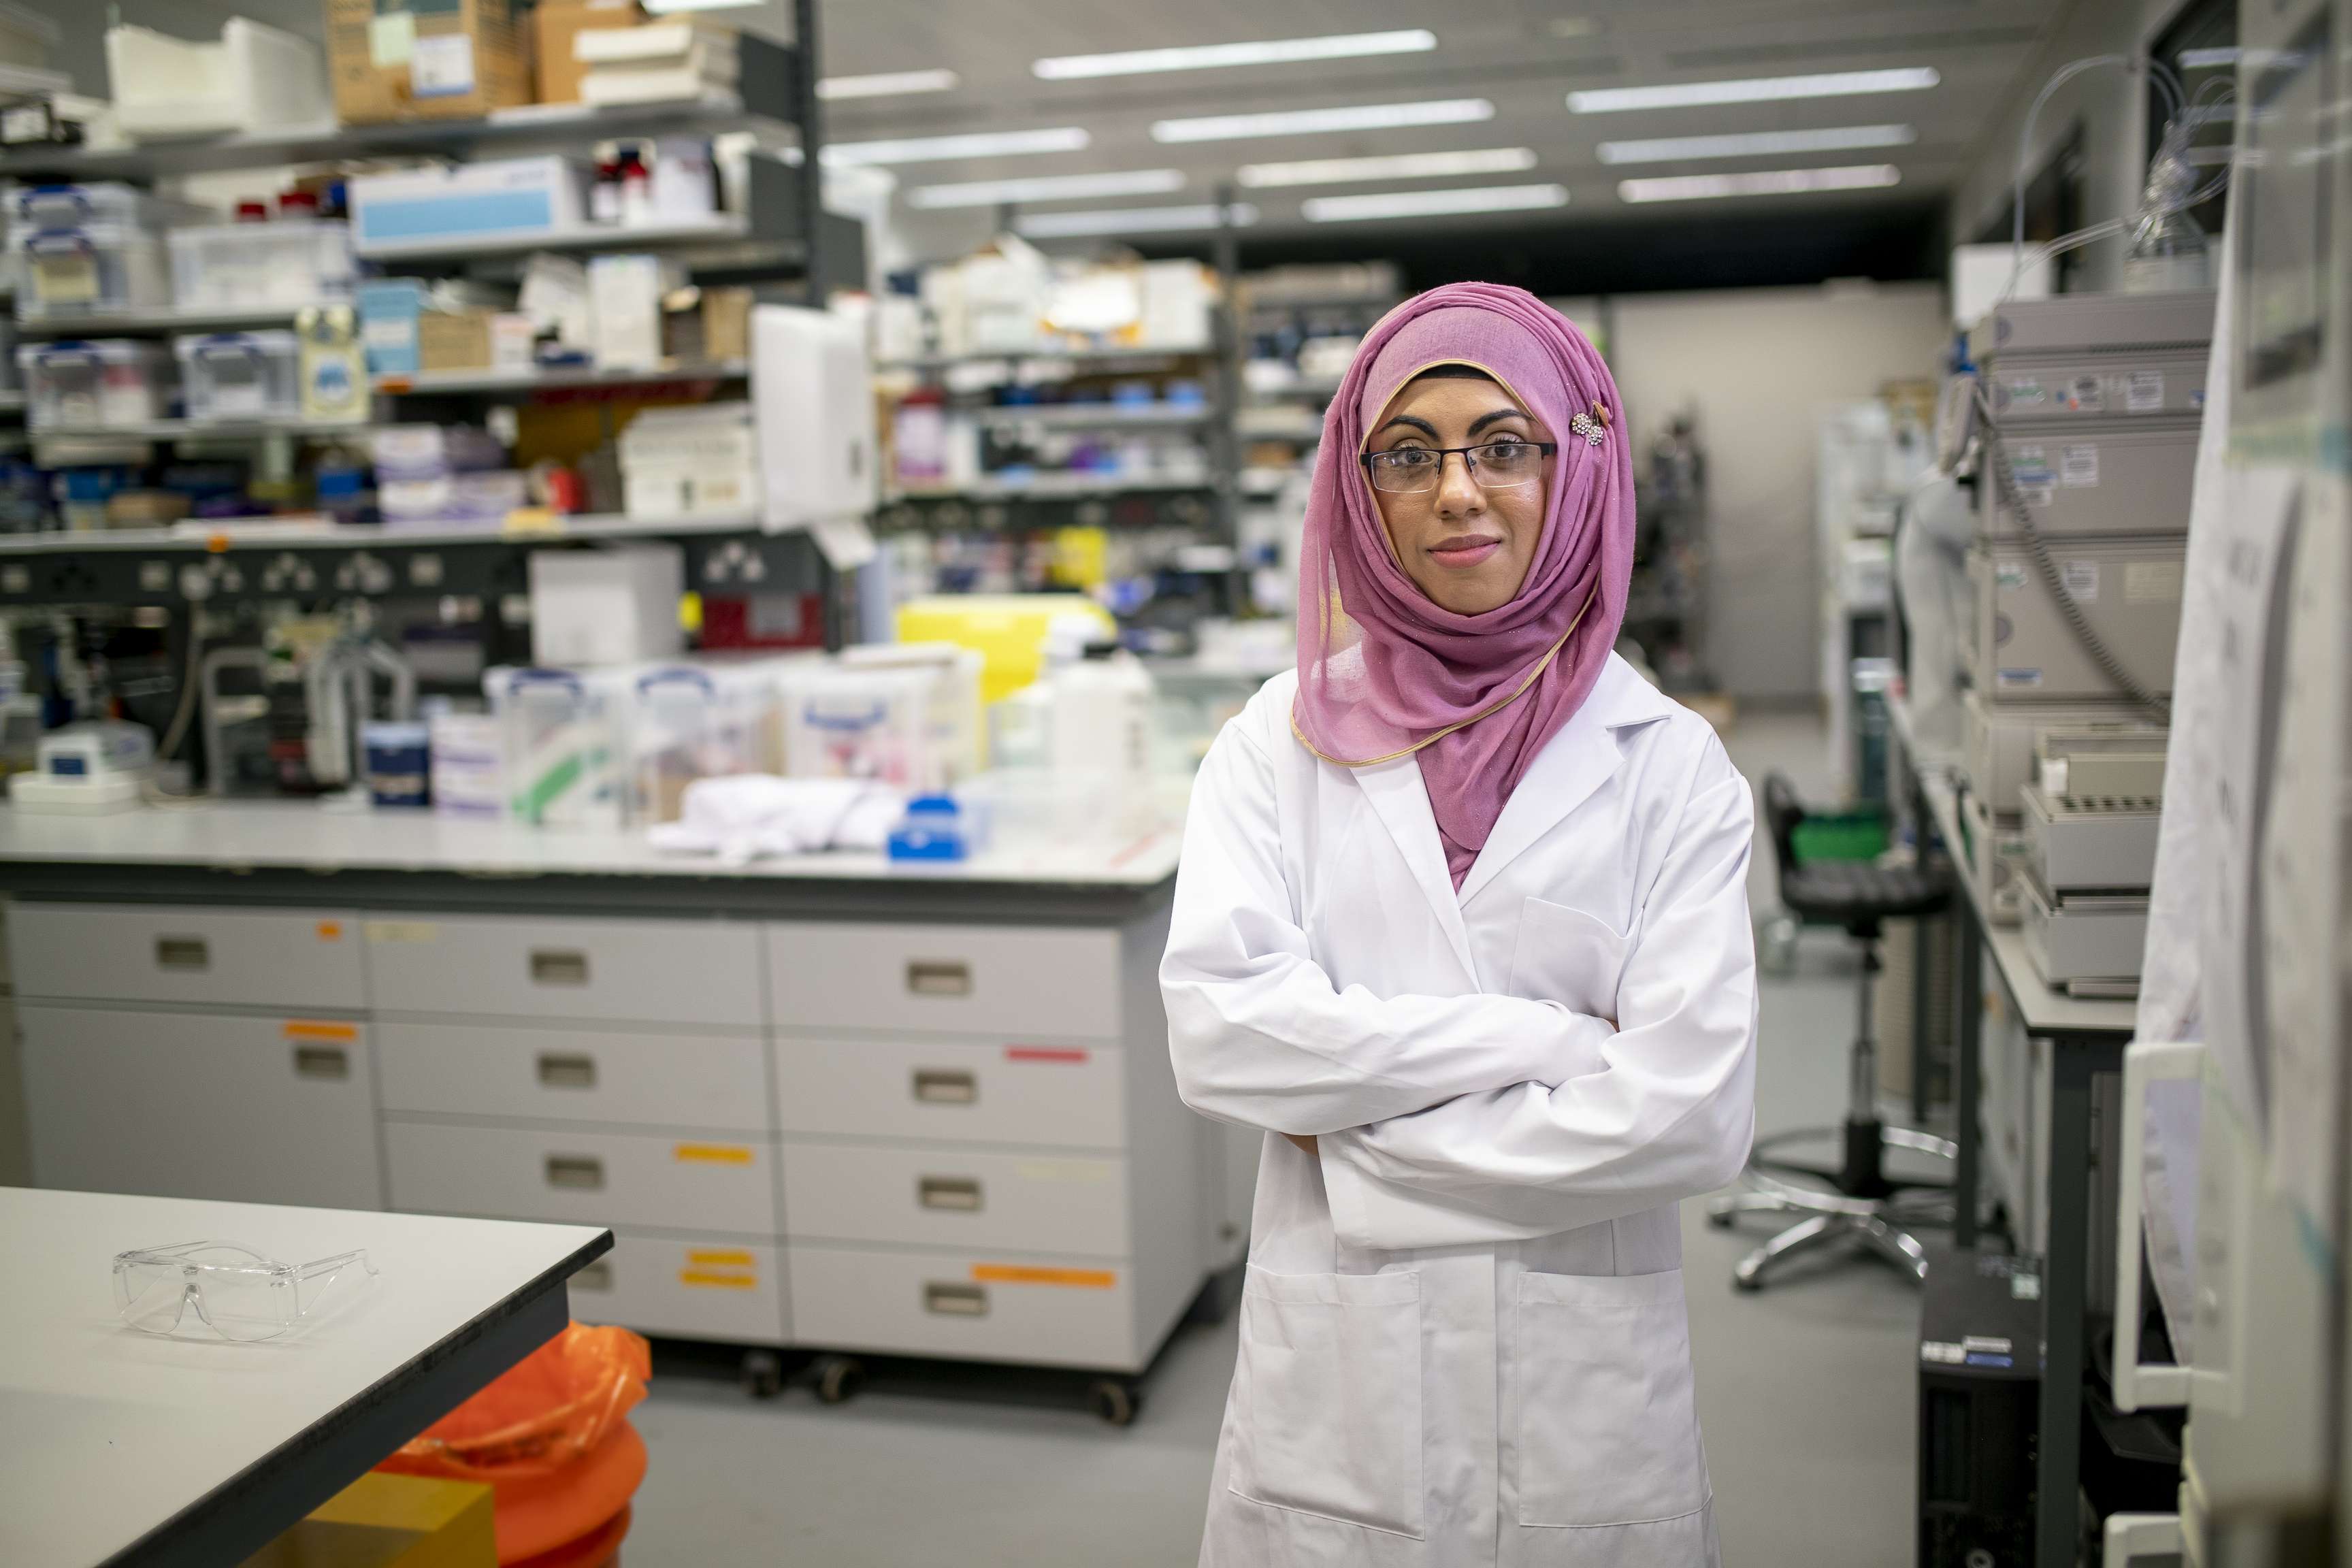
(1398,166)
(1432,203)
(1133,220)
(888,84)
(1309,122)
(1763,182)
(941,149)
(1752,90)
(1049,189)
(1212,57)
(1754,144)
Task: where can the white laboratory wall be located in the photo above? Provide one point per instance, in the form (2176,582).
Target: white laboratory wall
(1758,365)
(2109,105)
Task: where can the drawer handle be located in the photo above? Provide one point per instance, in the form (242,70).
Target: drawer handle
(579,1172)
(956,1300)
(942,1086)
(959,1193)
(558,966)
(596,1276)
(183,952)
(559,1071)
(322,1062)
(939,977)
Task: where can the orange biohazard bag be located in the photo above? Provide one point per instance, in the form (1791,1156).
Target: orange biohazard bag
(550,1437)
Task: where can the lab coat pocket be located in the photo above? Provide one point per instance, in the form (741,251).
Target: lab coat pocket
(1327,1396)
(1608,1425)
(1567,956)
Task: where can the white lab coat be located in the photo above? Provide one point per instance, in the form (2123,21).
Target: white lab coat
(1463,1337)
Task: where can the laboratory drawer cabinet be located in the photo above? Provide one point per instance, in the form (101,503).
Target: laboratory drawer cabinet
(575,1073)
(699,1288)
(239,1109)
(713,1184)
(955,1090)
(977,1306)
(940,1196)
(1010,982)
(198,957)
(612,971)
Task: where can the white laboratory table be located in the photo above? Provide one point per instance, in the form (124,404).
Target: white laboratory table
(825,1102)
(127,1447)
(2087,1037)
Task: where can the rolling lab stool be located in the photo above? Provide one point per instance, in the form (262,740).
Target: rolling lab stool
(1858,1202)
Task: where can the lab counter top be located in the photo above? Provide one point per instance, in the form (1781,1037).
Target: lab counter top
(297,852)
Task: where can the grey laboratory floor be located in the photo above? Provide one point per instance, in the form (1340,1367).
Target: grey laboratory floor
(1806,1392)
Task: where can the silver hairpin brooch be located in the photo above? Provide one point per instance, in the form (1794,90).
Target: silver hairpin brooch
(1593,425)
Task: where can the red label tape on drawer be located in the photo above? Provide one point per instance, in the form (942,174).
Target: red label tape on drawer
(1043,1053)
(711,1154)
(1074,1279)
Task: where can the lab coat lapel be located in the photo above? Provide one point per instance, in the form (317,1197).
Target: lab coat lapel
(1576,761)
(1401,802)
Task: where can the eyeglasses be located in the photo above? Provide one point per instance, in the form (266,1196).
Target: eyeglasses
(238,1293)
(1496,465)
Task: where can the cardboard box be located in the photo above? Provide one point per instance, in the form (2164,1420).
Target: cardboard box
(446,59)
(554,23)
(453,340)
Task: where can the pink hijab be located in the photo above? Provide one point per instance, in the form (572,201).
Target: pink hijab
(1384,672)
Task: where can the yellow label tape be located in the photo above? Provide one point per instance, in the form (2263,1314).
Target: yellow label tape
(312,1029)
(1072,1278)
(719,1257)
(402,931)
(711,1154)
(709,1280)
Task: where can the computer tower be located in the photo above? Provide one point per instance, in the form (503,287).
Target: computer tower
(1980,1383)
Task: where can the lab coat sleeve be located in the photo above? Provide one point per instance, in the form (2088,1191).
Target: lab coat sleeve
(1667,1113)
(1259,1034)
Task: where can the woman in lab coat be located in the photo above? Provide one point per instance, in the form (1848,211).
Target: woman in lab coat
(1463,921)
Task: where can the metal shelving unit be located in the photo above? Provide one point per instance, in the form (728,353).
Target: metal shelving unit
(517,129)
(187,429)
(786,235)
(157,324)
(551,378)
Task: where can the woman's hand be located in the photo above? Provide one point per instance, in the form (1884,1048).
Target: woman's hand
(1307,1144)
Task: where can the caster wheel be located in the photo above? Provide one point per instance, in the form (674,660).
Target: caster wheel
(1116,1401)
(1748,1282)
(761,1373)
(838,1379)
(1720,1221)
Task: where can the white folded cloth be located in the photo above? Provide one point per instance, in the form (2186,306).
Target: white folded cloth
(743,816)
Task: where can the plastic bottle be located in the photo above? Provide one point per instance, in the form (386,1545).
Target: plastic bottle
(1102,715)
(2167,252)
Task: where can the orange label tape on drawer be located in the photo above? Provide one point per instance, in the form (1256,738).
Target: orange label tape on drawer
(320,1029)
(711,1154)
(715,1269)
(331,931)
(1074,1279)
(1043,1053)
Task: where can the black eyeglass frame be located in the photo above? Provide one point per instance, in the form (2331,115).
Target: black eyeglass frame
(1469,454)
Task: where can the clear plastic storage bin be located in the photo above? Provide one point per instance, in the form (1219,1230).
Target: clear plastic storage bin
(686,722)
(231,377)
(108,383)
(105,203)
(557,740)
(286,264)
(97,269)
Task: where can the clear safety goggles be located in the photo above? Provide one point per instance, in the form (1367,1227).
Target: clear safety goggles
(237,1292)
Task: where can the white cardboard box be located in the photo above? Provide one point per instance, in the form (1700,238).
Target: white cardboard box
(606,606)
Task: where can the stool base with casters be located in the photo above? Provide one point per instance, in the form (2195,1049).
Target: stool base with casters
(1857,1204)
